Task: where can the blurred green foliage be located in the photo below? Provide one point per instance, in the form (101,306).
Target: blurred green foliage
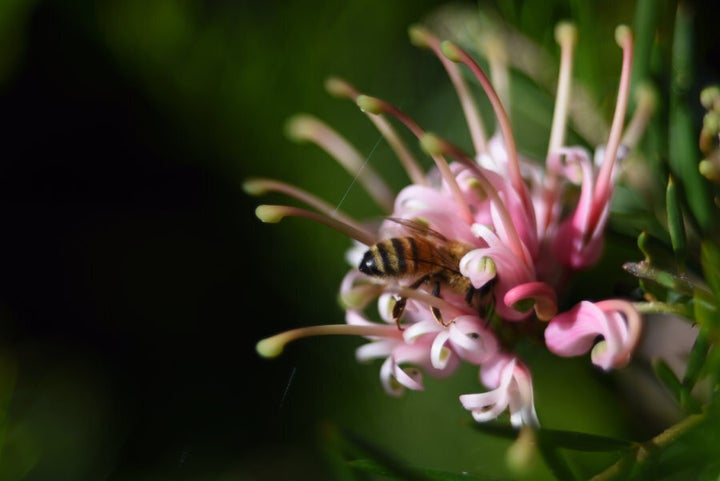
(139,362)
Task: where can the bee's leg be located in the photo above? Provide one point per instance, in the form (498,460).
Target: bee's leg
(488,311)
(398,310)
(435,311)
(470,295)
(399,307)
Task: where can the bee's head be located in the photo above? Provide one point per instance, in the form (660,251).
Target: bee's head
(369,265)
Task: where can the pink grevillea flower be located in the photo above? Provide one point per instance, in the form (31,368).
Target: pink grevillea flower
(473,250)
(574,332)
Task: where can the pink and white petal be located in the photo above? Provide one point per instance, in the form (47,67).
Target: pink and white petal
(387,379)
(421,328)
(471,341)
(492,373)
(385,305)
(489,405)
(625,329)
(477,266)
(357,290)
(541,295)
(486,406)
(375,350)
(522,403)
(440,354)
(573,333)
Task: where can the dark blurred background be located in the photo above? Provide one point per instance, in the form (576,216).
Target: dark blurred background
(135,279)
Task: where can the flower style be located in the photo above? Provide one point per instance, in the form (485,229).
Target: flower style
(474,250)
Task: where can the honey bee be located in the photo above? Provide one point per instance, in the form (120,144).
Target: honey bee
(430,258)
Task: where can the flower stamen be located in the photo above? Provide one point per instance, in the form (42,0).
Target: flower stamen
(273,346)
(566,37)
(342,89)
(456,54)
(644,110)
(624,38)
(436,145)
(308,128)
(273,214)
(263,186)
(422,38)
(376,106)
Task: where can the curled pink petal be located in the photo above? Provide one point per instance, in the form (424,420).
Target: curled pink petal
(439,352)
(574,332)
(514,392)
(541,296)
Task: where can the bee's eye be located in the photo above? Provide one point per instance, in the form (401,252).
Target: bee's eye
(368,265)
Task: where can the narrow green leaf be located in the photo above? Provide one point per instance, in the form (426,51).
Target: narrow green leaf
(668,378)
(680,284)
(494,428)
(642,244)
(684,155)
(370,466)
(581,441)
(706,312)
(334,447)
(555,462)
(391,465)
(696,360)
(710,260)
(644,26)
(676,225)
(557,438)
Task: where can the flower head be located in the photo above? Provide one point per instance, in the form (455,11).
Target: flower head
(475,248)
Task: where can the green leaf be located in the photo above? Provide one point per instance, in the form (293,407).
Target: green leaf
(642,243)
(680,284)
(557,438)
(706,313)
(676,225)
(668,378)
(644,26)
(555,462)
(581,441)
(376,456)
(696,360)
(495,428)
(682,136)
(710,260)
(370,466)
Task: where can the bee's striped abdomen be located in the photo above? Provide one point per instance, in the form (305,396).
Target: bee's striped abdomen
(397,257)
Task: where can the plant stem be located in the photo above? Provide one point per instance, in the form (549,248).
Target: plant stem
(642,451)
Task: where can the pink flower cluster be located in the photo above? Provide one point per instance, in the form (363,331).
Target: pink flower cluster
(521,244)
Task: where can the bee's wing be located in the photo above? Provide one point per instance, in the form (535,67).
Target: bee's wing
(420,228)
